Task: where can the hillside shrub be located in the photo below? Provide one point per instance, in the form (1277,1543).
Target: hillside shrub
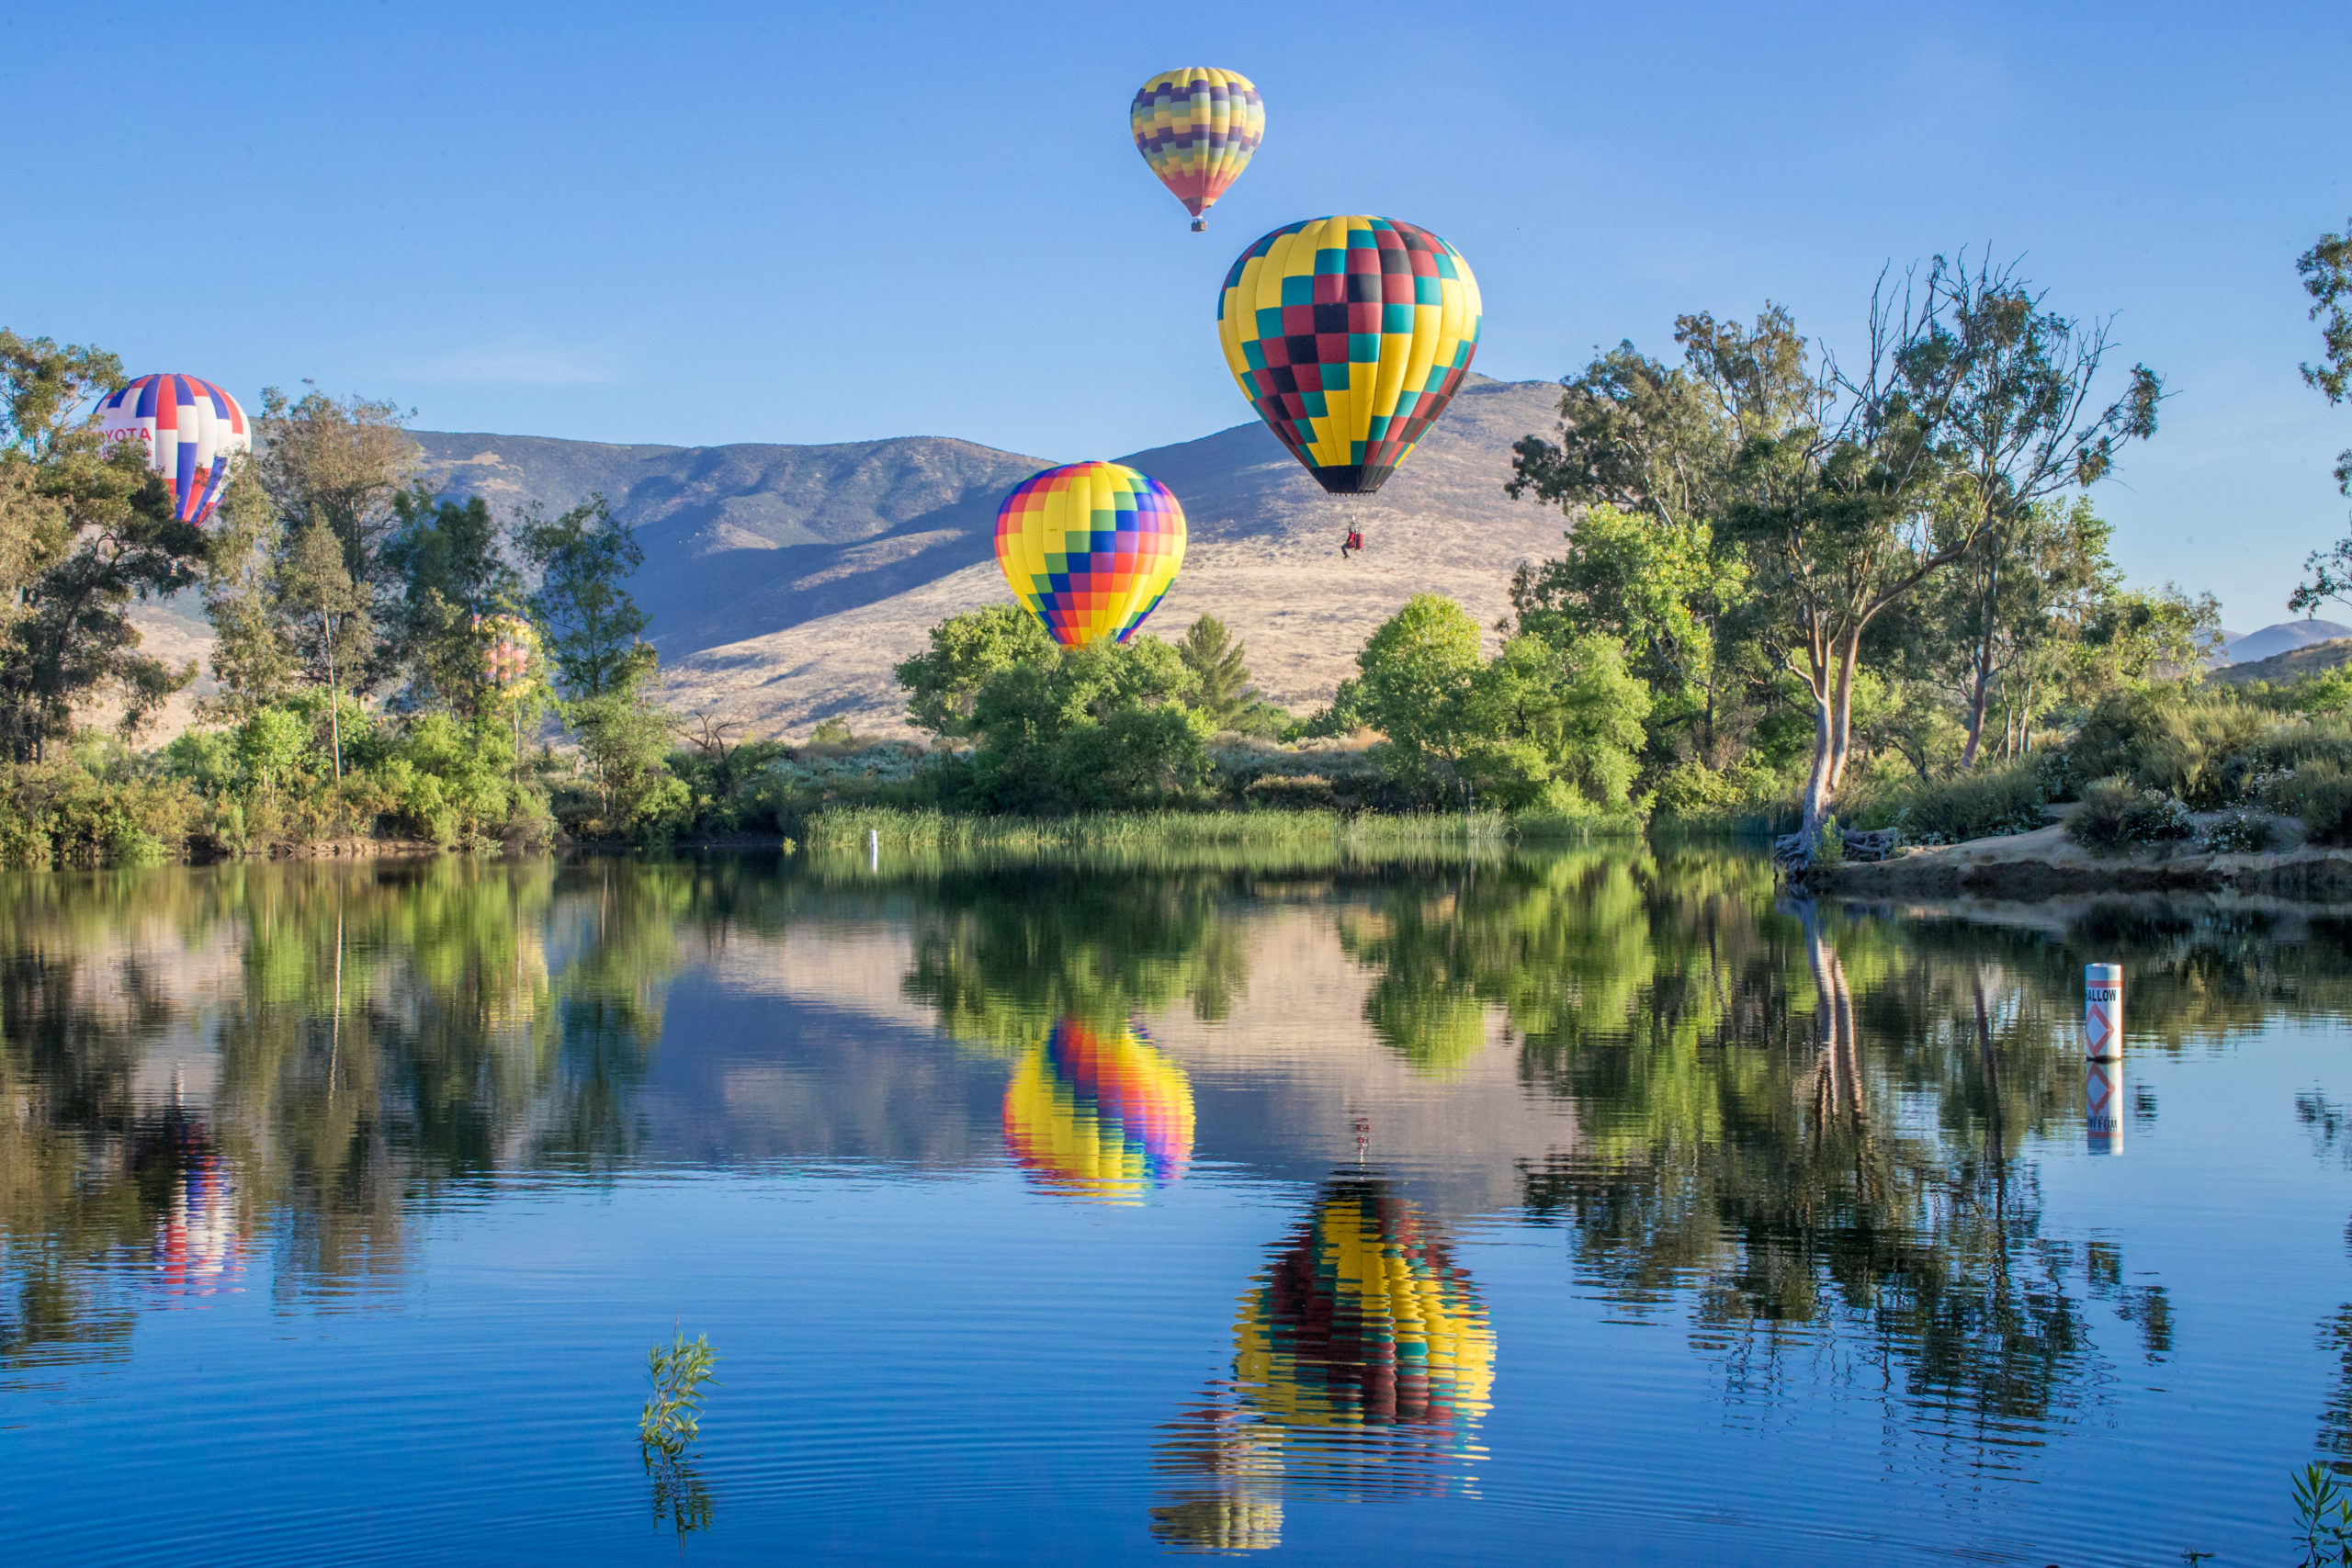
(2118,814)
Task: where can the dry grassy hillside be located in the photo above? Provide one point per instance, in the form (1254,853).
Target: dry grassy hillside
(1264,556)
(784,582)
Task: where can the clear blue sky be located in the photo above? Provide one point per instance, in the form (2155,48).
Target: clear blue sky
(712,223)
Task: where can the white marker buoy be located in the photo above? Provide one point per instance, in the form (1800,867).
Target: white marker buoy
(873,849)
(2103,1011)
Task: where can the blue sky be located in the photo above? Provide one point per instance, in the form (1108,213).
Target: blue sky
(712,223)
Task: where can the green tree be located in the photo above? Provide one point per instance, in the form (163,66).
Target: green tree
(1087,728)
(449,559)
(2133,634)
(1555,726)
(1225,695)
(254,660)
(318,596)
(1419,669)
(2326,272)
(944,683)
(85,532)
(2003,388)
(1654,582)
(2008,620)
(592,623)
(337,461)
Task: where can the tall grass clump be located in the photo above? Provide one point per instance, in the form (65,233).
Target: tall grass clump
(845,827)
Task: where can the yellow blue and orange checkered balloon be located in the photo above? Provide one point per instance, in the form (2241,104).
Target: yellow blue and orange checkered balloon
(1348,335)
(1197,127)
(1089,549)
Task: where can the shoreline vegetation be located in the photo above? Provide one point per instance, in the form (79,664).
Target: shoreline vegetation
(1869,611)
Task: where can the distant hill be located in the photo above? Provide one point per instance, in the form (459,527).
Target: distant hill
(2311,658)
(784,582)
(2283,638)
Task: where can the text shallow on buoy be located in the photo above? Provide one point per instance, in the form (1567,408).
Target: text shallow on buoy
(2103,1011)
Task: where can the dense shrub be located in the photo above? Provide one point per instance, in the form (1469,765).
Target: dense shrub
(2162,739)
(2118,814)
(63,813)
(2239,833)
(1990,802)
(2323,792)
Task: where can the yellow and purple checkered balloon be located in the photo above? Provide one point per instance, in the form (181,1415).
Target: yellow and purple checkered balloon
(1089,549)
(1197,127)
(1348,335)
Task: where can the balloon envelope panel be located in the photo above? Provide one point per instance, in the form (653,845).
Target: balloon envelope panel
(190,428)
(1099,1115)
(1197,127)
(1089,549)
(1348,335)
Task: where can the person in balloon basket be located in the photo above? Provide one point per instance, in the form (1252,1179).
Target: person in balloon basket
(1355,541)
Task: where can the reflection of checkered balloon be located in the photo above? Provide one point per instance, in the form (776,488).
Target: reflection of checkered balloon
(1089,549)
(190,428)
(1197,127)
(1350,335)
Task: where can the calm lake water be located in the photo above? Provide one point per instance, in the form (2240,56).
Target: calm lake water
(1595,1207)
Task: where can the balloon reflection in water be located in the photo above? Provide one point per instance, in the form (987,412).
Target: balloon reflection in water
(1099,1115)
(1363,1362)
(1228,1496)
(197,1248)
(1365,1320)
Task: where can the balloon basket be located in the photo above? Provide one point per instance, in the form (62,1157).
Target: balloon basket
(1200,225)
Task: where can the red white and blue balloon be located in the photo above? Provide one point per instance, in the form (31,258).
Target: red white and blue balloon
(190,428)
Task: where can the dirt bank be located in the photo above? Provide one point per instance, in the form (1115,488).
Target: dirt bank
(2046,862)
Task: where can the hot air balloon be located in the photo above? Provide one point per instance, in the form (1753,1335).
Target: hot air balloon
(1365,1321)
(1097,1115)
(1197,127)
(506,643)
(1089,549)
(190,428)
(1348,335)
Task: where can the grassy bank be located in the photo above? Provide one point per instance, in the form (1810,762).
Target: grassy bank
(846,830)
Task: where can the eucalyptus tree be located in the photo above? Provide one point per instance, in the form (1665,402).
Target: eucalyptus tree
(2326,272)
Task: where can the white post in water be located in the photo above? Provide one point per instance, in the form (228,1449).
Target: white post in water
(873,849)
(2103,1011)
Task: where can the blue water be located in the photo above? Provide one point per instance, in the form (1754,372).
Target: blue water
(293,1280)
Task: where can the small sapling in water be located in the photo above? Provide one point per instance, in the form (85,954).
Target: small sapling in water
(673,1416)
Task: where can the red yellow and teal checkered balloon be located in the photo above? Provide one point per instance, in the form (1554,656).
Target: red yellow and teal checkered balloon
(1350,335)
(1089,549)
(1197,127)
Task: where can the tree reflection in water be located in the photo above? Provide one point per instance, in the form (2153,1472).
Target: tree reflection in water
(376,1038)
(1807,1128)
